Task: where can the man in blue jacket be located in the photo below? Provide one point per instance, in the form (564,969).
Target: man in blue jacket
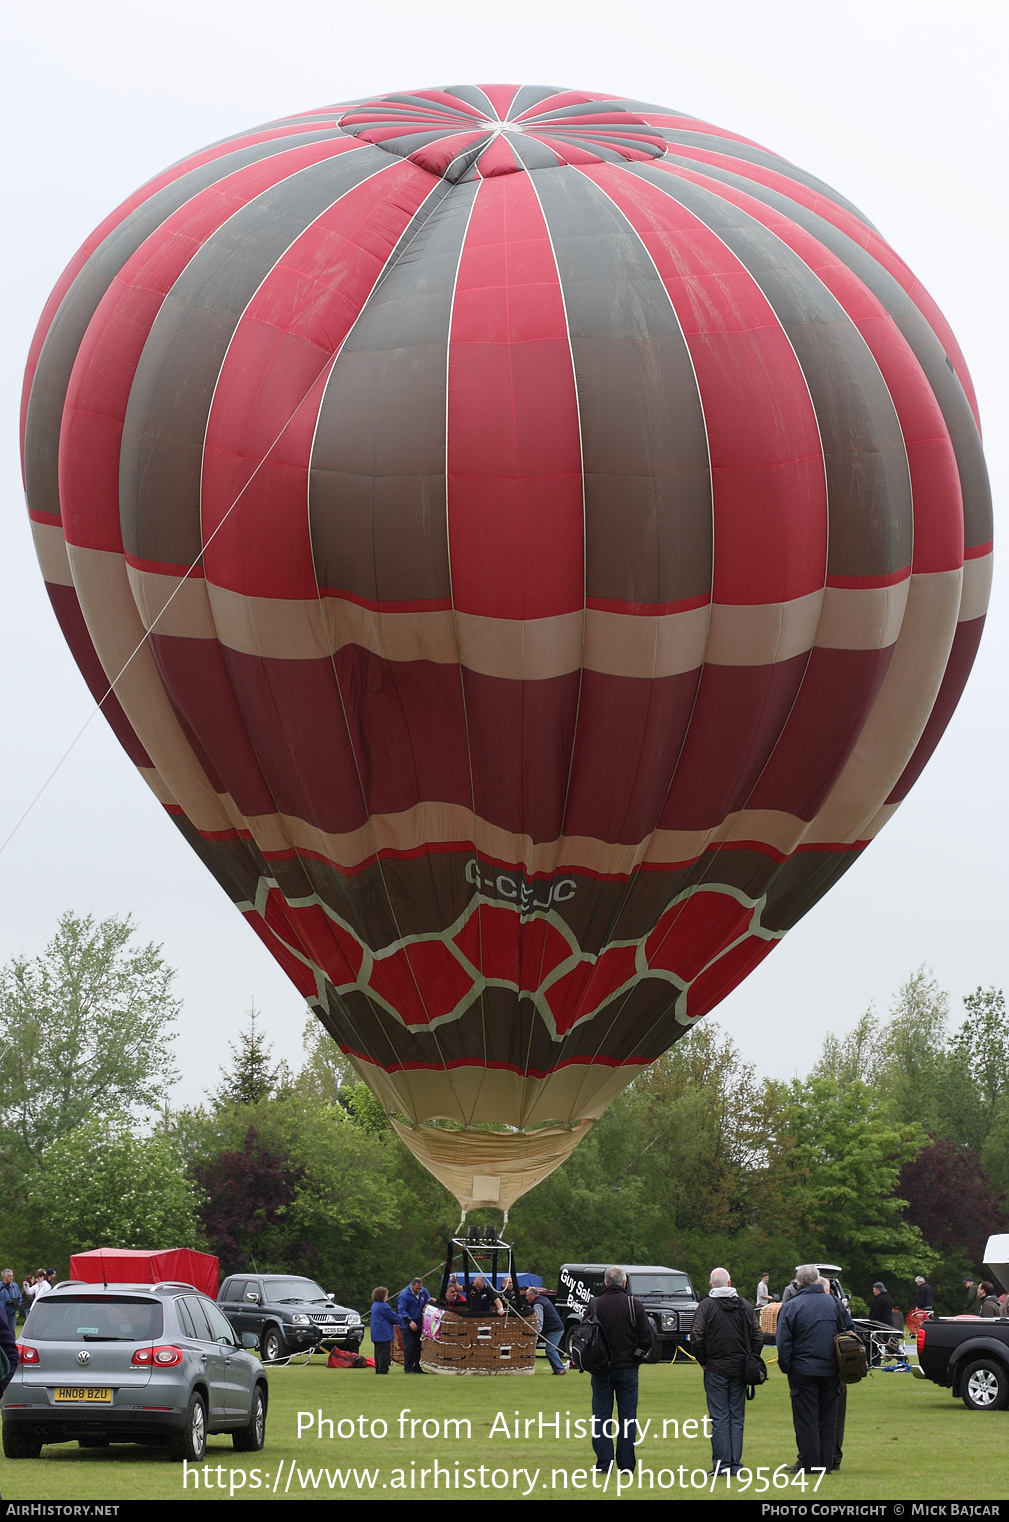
(807,1326)
(410,1305)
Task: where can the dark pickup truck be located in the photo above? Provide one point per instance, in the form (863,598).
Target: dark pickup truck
(970,1354)
(288,1314)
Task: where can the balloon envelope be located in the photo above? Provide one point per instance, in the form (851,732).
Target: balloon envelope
(536,538)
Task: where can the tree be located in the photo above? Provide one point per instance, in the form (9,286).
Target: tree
(250,1079)
(315,1194)
(852,1058)
(981,1049)
(952,1201)
(85,1033)
(911,1052)
(102,1186)
(842,1151)
(326,1071)
(247,1196)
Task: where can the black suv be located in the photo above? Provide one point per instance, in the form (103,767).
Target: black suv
(288,1314)
(666,1293)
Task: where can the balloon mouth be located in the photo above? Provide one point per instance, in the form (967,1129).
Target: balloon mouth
(456,139)
(490,1169)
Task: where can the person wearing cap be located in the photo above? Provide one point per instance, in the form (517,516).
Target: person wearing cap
(549,1326)
(882,1305)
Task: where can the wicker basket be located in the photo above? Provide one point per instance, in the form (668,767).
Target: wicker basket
(769,1317)
(480,1345)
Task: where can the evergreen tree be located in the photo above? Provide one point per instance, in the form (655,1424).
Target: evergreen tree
(251,1077)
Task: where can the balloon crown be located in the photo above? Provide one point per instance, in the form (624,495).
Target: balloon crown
(470,132)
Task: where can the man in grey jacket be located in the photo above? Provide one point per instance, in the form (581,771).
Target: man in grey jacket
(807,1326)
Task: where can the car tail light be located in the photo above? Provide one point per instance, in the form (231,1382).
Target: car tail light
(27,1354)
(921,1340)
(164,1357)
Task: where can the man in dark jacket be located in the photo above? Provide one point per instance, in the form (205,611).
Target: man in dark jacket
(987,1300)
(882,1303)
(725,1330)
(924,1301)
(410,1307)
(629,1337)
(10,1298)
(483,1299)
(9,1344)
(807,1326)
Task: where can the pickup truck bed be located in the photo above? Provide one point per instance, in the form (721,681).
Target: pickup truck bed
(969,1354)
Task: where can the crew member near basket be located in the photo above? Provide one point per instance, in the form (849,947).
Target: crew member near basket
(549,1326)
(410,1306)
(629,1336)
(483,1299)
(383,1328)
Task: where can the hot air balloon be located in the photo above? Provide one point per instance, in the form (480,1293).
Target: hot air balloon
(534,540)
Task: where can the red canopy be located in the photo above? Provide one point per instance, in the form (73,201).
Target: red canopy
(121,1265)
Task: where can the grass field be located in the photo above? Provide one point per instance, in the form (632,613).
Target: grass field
(905,1439)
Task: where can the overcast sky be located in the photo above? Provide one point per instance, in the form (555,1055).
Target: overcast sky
(899,106)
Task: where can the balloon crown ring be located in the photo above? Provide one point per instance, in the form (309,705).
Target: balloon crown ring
(471,136)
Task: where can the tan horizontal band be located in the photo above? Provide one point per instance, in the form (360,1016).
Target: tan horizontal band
(614,644)
(445,823)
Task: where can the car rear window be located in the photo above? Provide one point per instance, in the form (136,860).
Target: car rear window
(93,1318)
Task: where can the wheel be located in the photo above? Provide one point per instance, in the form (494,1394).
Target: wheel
(984,1385)
(251,1438)
(191,1442)
(273,1345)
(18,1445)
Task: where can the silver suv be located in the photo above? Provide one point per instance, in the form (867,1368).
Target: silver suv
(132,1363)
